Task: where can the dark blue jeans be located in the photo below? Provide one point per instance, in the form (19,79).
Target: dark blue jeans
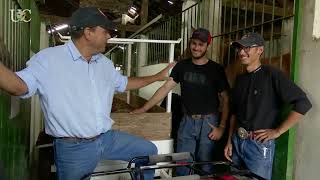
(193,138)
(256,156)
(76,159)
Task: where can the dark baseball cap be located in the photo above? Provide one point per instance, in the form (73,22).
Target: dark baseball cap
(89,17)
(248,40)
(202,34)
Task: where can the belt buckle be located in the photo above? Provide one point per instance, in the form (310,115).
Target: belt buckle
(196,116)
(243,133)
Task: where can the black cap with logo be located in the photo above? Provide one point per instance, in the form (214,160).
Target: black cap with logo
(249,40)
(202,34)
(89,17)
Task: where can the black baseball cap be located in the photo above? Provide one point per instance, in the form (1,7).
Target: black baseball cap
(202,34)
(89,17)
(248,40)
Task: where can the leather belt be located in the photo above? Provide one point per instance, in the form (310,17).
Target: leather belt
(201,116)
(79,139)
(244,134)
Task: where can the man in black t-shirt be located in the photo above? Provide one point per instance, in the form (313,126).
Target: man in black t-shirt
(202,81)
(257,97)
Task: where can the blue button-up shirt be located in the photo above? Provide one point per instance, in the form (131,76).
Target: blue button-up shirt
(75,95)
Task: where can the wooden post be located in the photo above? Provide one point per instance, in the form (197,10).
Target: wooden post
(144,12)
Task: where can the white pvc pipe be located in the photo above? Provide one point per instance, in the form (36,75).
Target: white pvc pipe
(117,40)
(129,69)
(114,42)
(171,57)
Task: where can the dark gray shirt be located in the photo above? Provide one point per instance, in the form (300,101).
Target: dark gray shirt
(200,85)
(257,98)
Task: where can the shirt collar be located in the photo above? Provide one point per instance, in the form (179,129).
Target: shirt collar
(95,57)
(73,50)
(76,54)
(256,70)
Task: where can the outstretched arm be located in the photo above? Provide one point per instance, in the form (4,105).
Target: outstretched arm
(225,108)
(139,82)
(11,83)
(217,132)
(157,97)
(228,147)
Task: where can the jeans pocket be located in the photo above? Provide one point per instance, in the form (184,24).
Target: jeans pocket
(267,144)
(266,149)
(207,126)
(211,121)
(185,128)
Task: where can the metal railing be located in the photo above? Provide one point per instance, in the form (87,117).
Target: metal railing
(272,20)
(227,20)
(169,28)
(174,27)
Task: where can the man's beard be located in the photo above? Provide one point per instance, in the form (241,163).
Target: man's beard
(198,57)
(104,50)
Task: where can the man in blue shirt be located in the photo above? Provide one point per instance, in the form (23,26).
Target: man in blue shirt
(76,84)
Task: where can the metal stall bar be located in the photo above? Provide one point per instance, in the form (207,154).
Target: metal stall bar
(254,13)
(238,21)
(282,30)
(171,56)
(224,30)
(254,26)
(125,40)
(219,23)
(230,29)
(271,33)
(262,20)
(129,57)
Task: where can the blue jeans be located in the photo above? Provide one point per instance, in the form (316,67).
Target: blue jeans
(193,138)
(75,159)
(256,156)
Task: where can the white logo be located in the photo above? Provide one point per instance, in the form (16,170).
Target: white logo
(19,15)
